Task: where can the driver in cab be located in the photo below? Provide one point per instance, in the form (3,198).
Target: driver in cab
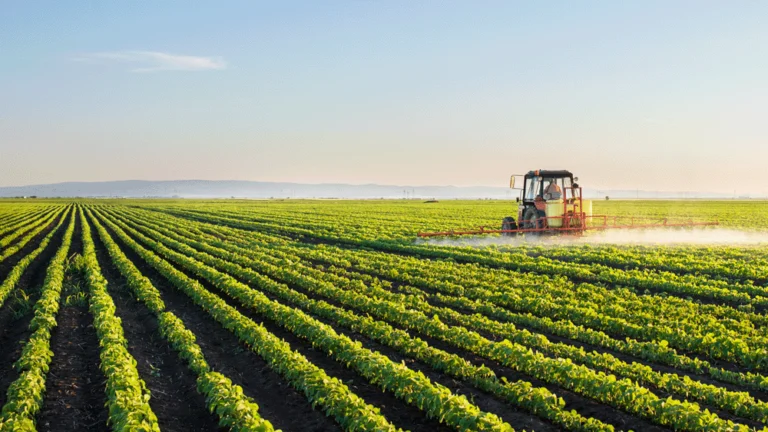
(552,191)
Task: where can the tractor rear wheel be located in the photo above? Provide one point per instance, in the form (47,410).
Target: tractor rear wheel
(533,218)
(508,223)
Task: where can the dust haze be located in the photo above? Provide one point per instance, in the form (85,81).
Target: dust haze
(670,236)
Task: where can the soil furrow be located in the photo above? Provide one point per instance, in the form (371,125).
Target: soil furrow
(15,317)
(7,264)
(175,400)
(585,406)
(281,404)
(404,415)
(74,394)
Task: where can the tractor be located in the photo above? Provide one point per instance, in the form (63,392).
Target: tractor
(549,200)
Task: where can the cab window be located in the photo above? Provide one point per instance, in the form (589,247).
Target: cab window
(533,188)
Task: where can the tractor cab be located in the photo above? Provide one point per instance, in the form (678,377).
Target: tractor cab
(545,186)
(548,199)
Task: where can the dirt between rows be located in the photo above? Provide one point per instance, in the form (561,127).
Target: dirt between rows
(485,401)
(584,406)
(74,395)
(285,407)
(14,329)
(21,232)
(397,411)
(172,385)
(632,359)
(10,262)
(659,368)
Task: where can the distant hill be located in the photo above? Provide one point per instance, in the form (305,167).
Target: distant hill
(252,189)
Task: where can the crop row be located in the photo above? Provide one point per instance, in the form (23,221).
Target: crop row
(127,394)
(652,318)
(13,220)
(34,229)
(715,266)
(17,271)
(236,411)
(328,393)
(20,225)
(25,394)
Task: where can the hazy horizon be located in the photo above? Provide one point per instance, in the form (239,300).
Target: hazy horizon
(191,188)
(649,95)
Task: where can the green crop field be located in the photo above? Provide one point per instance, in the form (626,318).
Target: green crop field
(148,315)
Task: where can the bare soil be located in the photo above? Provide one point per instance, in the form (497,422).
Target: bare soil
(285,407)
(172,385)
(14,329)
(75,392)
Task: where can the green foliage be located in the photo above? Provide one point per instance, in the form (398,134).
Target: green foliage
(330,394)
(127,394)
(674,335)
(16,272)
(25,395)
(655,342)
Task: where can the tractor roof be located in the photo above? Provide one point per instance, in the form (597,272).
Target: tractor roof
(549,173)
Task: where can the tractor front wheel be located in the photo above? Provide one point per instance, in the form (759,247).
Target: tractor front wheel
(508,223)
(533,218)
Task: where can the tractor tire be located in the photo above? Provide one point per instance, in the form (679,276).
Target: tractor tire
(531,218)
(508,223)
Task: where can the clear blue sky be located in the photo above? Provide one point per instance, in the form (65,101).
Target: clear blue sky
(665,95)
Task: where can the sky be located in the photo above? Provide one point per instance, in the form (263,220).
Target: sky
(655,95)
